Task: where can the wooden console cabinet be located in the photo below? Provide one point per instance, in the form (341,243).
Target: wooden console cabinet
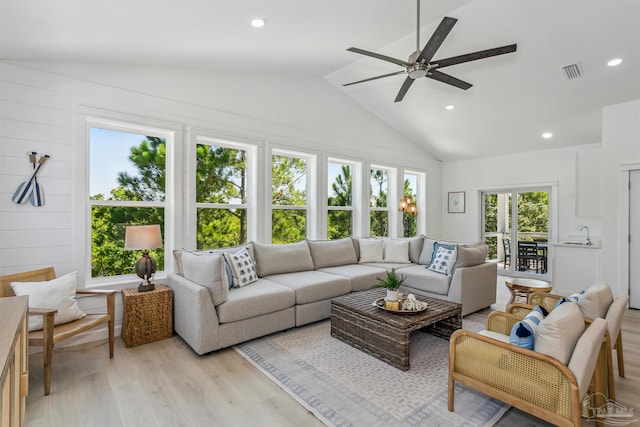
(14,382)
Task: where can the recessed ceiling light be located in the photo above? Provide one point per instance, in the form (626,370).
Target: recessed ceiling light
(614,62)
(449,107)
(258,23)
(547,135)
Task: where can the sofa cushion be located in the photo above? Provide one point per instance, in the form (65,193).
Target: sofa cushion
(242,268)
(415,247)
(558,333)
(58,293)
(287,258)
(371,250)
(207,270)
(596,300)
(422,279)
(332,253)
(312,286)
(396,251)
(177,255)
(427,251)
(470,255)
(262,297)
(363,277)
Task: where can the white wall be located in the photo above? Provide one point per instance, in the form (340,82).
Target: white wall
(572,171)
(620,152)
(39,106)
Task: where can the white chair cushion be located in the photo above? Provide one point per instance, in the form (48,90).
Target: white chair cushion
(558,333)
(56,294)
(596,301)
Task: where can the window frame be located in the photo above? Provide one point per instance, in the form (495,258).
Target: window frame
(420,201)
(91,118)
(356,171)
(250,166)
(308,207)
(389,172)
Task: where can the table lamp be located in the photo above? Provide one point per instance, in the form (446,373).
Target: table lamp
(144,237)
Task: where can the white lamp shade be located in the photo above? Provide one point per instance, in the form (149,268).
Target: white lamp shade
(142,237)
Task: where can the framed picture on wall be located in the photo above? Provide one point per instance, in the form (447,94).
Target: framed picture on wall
(456,202)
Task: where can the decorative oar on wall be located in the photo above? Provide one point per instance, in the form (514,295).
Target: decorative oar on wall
(31,189)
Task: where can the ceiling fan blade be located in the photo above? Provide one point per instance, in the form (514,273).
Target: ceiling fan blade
(378,56)
(436,39)
(375,78)
(446,62)
(403,90)
(446,78)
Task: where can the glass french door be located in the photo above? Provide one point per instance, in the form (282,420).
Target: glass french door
(516,227)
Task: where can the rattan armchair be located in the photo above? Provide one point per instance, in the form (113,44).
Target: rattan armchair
(613,337)
(532,382)
(50,335)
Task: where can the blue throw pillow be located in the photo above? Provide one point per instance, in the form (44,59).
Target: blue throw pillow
(523,333)
(571,298)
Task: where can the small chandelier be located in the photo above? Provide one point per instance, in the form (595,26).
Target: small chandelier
(407,204)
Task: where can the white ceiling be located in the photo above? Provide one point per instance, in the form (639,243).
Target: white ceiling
(514,99)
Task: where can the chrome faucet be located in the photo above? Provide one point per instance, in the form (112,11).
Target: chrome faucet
(588,241)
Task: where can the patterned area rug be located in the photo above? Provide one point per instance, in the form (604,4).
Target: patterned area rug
(343,386)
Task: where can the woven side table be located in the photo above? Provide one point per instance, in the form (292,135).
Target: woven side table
(147,316)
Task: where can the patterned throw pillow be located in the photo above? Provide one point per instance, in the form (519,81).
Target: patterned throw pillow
(443,259)
(523,333)
(242,268)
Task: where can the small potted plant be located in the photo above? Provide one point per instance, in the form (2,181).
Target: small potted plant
(391,283)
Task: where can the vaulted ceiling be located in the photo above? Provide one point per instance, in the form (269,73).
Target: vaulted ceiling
(514,98)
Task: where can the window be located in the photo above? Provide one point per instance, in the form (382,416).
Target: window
(510,245)
(411,189)
(340,201)
(288,198)
(378,202)
(221,194)
(127,181)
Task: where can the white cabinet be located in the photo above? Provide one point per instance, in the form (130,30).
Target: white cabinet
(575,268)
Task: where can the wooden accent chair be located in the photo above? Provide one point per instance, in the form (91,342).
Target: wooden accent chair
(613,337)
(530,381)
(50,334)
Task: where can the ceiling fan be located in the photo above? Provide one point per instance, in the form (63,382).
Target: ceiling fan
(420,64)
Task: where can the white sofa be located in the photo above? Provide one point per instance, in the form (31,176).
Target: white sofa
(297,281)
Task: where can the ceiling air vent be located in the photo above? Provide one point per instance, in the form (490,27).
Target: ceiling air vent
(572,71)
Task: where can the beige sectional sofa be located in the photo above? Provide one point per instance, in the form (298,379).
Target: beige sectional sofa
(296,282)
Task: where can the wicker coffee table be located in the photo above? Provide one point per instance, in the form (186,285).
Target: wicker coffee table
(385,335)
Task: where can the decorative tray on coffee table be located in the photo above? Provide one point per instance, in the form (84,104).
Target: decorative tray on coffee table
(380,304)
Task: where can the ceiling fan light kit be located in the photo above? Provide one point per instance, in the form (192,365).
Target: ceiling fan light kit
(420,65)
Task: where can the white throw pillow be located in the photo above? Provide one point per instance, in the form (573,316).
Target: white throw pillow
(559,332)
(242,268)
(56,294)
(371,250)
(596,300)
(208,270)
(444,260)
(396,251)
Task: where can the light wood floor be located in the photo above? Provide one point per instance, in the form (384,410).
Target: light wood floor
(166,384)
